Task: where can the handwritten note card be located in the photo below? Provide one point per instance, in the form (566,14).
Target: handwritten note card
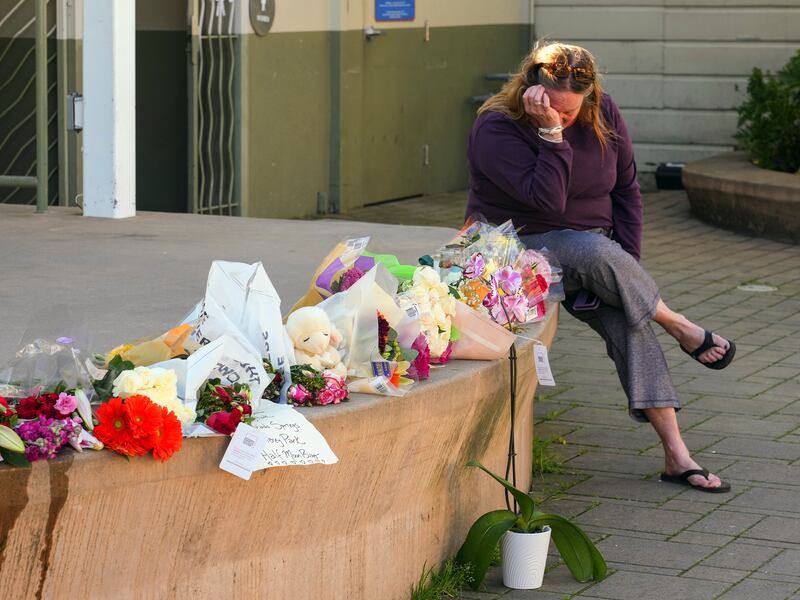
(291,439)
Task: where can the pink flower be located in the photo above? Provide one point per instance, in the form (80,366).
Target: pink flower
(511,309)
(349,278)
(475,266)
(298,394)
(445,355)
(421,367)
(66,404)
(508,280)
(326,396)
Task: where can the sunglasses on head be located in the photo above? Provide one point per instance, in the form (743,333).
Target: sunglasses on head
(562,70)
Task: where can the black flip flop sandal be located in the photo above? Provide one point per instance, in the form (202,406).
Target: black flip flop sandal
(683,479)
(708,343)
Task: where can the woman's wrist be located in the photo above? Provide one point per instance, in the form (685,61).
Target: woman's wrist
(552,137)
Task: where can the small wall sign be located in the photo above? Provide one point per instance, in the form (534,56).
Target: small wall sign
(262,14)
(394,10)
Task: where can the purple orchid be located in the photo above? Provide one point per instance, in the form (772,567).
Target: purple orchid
(512,309)
(508,280)
(475,266)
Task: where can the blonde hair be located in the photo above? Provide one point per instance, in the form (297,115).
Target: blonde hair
(509,99)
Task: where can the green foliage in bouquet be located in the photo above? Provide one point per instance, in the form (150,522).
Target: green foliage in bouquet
(579,553)
(215,397)
(309,377)
(105,387)
(769,119)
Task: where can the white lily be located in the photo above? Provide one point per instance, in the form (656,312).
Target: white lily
(10,440)
(84,409)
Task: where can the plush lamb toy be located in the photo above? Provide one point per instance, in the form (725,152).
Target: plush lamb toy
(315,339)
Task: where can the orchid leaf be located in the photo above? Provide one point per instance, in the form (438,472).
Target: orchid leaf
(481,541)
(579,553)
(524,501)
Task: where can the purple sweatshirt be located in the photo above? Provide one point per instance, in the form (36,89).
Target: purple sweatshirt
(541,185)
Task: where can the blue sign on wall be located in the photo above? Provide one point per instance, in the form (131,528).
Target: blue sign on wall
(394,10)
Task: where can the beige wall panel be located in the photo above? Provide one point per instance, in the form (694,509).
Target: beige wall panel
(343,15)
(732,3)
(570,23)
(670,126)
(703,92)
(625,57)
(733,24)
(635,91)
(615,3)
(649,155)
(682,58)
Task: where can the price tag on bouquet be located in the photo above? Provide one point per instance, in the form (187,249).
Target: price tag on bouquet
(244,450)
(357,244)
(542,364)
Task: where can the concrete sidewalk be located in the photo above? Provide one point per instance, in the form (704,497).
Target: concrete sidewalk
(664,541)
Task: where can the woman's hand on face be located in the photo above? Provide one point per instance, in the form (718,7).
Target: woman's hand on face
(537,106)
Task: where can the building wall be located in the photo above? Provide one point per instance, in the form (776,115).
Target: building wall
(677,68)
(335,121)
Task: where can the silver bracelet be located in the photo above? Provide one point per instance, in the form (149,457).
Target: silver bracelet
(552,141)
(556,129)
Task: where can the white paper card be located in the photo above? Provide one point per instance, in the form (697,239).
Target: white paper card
(244,451)
(543,372)
(291,439)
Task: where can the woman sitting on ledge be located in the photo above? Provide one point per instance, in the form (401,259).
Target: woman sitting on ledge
(552,152)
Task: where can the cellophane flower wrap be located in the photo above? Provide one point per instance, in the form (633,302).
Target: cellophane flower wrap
(436,307)
(157,384)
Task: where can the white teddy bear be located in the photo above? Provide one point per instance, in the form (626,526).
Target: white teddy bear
(315,340)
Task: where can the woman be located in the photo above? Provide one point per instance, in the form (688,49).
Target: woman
(552,152)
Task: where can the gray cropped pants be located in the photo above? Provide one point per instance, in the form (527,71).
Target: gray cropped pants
(628,297)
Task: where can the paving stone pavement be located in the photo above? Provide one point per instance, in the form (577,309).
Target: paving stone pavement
(665,541)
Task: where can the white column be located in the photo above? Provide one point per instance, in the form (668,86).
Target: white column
(109,91)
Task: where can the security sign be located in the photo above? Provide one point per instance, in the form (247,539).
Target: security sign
(262,14)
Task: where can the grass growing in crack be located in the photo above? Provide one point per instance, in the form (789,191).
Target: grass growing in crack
(544,460)
(446,583)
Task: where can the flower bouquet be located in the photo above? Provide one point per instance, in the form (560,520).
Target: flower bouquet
(223,407)
(312,387)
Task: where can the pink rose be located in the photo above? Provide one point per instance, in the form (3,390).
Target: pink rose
(66,404)
(224,423)
(326,396)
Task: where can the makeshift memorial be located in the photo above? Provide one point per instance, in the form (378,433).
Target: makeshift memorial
(431,299)
(136,425)
(223,407)
(157,384)
(578,552)
(315,340)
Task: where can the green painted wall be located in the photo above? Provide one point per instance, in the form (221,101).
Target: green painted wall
(330,112)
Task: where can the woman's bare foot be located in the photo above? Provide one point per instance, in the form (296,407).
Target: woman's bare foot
(673,466)
(689,335)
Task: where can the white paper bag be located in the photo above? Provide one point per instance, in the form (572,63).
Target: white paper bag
(241,302)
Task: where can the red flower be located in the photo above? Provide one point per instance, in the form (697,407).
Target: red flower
(224,423)
(167,438)
(143,417)
(113,429)
(6,412)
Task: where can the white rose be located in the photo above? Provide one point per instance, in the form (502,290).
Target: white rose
(426,277)
(126,384)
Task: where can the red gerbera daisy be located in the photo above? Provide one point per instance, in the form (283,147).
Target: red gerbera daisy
(113,429)
(143,417)
(167,439)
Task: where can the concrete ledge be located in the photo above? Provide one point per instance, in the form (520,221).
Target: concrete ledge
(95,525)
(729,191)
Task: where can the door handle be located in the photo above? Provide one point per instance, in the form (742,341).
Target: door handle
(370,32)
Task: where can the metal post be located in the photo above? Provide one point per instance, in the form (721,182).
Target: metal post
(41,105)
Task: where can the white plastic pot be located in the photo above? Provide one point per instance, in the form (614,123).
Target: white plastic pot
(524,556)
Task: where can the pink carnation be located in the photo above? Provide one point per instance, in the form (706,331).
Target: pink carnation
(420,369)
(349,278)
(66,403)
